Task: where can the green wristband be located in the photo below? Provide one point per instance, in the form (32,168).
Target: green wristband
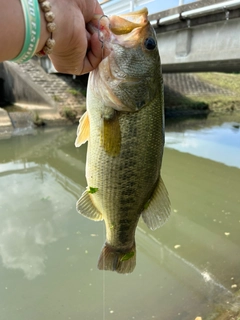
(32,30)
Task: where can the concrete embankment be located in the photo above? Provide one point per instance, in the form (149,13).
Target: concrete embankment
(56,99)
(33,96)
(201,93)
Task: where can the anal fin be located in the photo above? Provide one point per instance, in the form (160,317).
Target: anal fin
(86,208)
(158,209)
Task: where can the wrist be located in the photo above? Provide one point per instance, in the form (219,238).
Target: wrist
(39,25)
(50,26)
(11,35)
(44,35)
(31,15)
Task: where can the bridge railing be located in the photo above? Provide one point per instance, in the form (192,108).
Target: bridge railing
(121,6)
(201,36)
(193,10)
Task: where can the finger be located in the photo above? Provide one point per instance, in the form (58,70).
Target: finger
(94,56)
(98,9)
(89,9)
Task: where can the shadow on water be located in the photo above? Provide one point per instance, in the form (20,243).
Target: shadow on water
(188,268)
(200,121)
(177,104)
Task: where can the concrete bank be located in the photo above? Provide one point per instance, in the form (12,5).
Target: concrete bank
(201,93)
(35,97)
(56,99)
(5,119)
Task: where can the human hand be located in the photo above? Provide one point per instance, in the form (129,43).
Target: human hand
(76,50)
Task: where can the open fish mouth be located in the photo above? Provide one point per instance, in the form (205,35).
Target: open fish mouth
(126,23)
(109,27)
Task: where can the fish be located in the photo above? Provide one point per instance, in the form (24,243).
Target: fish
(124,127)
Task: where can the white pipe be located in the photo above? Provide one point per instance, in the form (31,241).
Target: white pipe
(200,11)
(211,9)
(181,2)
(170,19)
(154,22)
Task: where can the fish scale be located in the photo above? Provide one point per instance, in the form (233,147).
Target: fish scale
(125,131)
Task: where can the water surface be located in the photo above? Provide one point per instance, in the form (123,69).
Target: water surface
(49,253)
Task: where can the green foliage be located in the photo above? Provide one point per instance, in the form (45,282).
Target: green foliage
(229,81)
(77,92)
(127,256)
(92,190)
(57,98)
(69,113)
(37,120)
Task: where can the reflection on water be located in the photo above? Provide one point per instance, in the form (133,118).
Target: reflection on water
(31,218)
(218,143)
(188,268)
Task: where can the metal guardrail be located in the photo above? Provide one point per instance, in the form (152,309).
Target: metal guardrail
(195,13)
(162,18)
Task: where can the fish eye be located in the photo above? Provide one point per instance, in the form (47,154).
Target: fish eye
(150,43)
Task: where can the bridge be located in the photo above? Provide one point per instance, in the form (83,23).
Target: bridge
(195,37)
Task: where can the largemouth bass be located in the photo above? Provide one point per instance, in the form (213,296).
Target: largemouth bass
(124,127)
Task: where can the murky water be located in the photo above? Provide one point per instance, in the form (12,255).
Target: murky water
(188,268)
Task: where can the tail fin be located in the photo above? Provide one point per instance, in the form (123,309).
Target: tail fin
(122,261)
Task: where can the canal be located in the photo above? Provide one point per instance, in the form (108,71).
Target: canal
(48,252)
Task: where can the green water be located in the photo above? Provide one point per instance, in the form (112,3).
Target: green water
(48,252)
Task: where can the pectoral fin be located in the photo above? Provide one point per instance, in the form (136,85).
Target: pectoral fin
(157,210)
(83,130)
(86,207)
(111,136)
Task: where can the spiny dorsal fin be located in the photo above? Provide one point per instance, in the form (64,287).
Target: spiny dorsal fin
(158,209)
(83,130)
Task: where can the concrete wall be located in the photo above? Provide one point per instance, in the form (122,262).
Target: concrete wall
(6,94)
(17,87)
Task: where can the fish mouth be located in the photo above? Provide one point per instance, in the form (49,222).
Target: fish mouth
(126,23)
(122,28)
(117,33)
